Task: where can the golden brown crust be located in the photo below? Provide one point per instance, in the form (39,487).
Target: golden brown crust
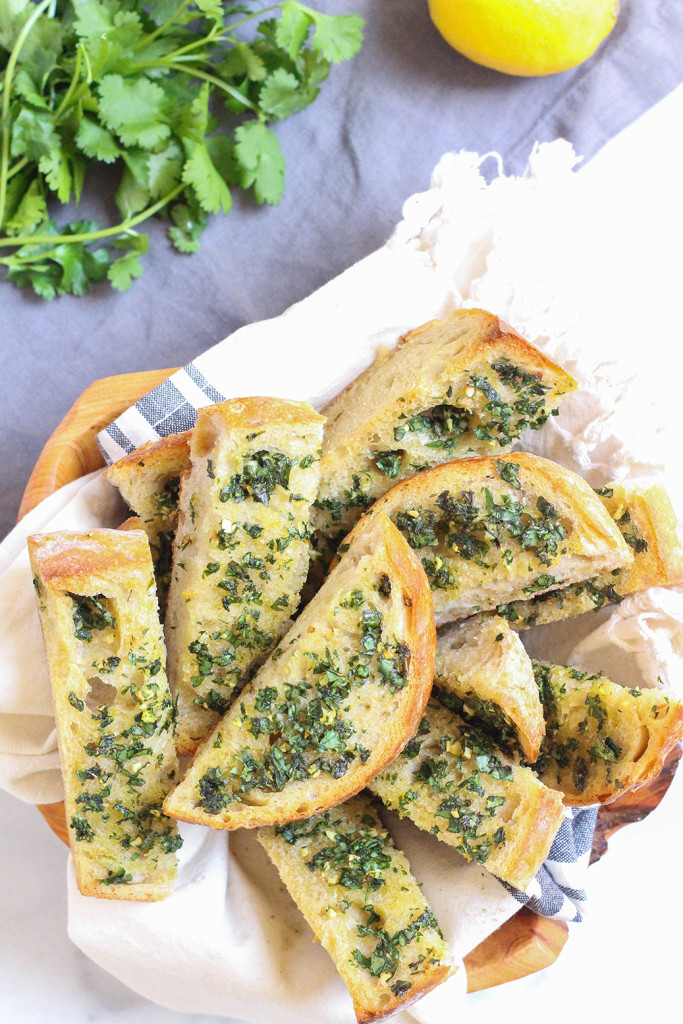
(645,517)
(66,560)
(131,523)
(452,770)
(425,402)
(241,413)
(334,909)
(593,542)
(493,330)
(536,836)
(263,538)
(381,550)
(153,457)
(435,978)
(654,521)
(105,654)
(481,665)
(602,739)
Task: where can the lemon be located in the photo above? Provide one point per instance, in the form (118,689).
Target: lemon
(525,37)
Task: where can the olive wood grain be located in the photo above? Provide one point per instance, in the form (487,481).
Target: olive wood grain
(524,944)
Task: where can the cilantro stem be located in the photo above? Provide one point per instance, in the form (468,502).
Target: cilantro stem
(146,40)
(196,73)
(18,166)
(91,236)
(256,14)
(73,84)
(9,75)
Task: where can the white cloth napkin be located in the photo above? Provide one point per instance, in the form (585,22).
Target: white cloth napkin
(549,254)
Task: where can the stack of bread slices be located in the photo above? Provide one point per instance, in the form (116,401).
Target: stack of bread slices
(272,613)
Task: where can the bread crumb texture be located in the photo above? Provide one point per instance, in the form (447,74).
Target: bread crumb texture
(114,711)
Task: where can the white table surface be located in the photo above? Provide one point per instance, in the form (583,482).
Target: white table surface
(622,963)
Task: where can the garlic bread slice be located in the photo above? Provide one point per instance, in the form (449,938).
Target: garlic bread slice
(454,782)
(463,386)
(601,739)
(647,523)
(241,550)
(113,708)
(357,893)
(490,531)
(335,702)
(483,673)
(149,481)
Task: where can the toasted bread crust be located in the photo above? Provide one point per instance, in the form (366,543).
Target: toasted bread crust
(240,554)
(379,551)
(155,457)
(148,480)
(483,672)
(68,560)
(619,738)
(106,658)
(592,541)
(426,402)
(645,517)
(503,817)
(333,908)
(653,520)
(237,413)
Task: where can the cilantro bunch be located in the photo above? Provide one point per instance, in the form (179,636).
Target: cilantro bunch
(178,94)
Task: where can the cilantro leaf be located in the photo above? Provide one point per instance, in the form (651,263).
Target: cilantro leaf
(208,185)
(293,28)
(123,270)
(31,211)
(337,37)
(187,226)
(33,134)
(134,85)
(281,94)
(57,172)
(135,110)
(244,62)
(261,160)
(96,142)
(164,168)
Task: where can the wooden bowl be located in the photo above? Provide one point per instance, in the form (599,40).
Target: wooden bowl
(523,945)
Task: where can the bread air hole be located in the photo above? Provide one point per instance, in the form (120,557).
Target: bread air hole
(255,799)
(100,693)
(205,438)
(642,745)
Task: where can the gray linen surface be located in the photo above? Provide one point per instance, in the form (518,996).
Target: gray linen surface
(369,142)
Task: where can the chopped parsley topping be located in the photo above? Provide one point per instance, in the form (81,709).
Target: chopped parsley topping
(304,728)
(166,500)
(261,473)
(90,613)
(389,463)
(438,427)
(580,710)
(464,782)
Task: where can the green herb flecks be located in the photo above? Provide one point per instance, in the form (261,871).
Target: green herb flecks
(90,613)
(261,473)
(304,729)
(384,959)
(504,420)
(438,427)
(166,500)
